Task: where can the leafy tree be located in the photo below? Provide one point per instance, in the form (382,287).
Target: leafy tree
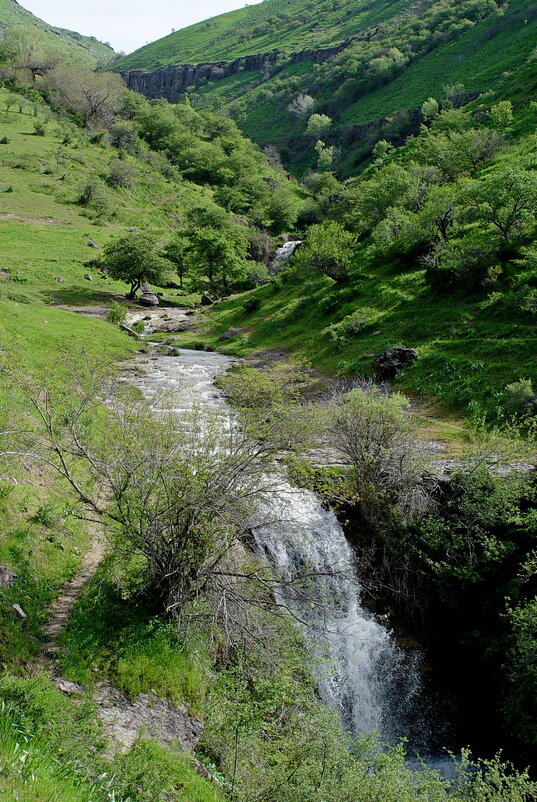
(502,114)
(328,250)
(133,258)
(430,108)
(176,252)
(507,199)
(318,124)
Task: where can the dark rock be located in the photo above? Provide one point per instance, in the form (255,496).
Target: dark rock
(59,279)
(19,612)
(132,230)
(66,686)
(392,361)
(4,275)
(149,299)
(190,312)
(88,277)
(92,244)
(7,577)
(206,300)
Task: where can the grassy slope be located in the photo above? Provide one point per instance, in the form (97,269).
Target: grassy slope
(222,37)
(11,13)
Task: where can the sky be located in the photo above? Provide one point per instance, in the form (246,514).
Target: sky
(128,24)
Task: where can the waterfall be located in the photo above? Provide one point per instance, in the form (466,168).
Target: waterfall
(283,255)
(364,675)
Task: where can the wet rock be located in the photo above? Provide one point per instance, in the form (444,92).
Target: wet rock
(66,686)
(124,719)
(206,300)
(392,361)
(7,577)
(92,244)
(149,299)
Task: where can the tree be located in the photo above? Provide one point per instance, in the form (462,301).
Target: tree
(501,114)
(430,108)
(133,258)
(328,250)
(507,199)
(318,124)
(301,105)
(176,252)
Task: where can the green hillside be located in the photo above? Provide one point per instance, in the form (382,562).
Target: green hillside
(391,57)
(13,14)
(286,25)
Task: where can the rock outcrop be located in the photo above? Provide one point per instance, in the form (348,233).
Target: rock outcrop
(392,361)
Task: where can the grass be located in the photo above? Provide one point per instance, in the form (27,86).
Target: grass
(121,640)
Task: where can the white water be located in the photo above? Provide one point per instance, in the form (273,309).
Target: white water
(363,673)
(283,255)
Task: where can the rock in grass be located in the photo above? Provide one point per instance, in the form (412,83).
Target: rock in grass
(206,300)
(92,244)
(392,361)
(7,577)
(88,277)
(66,686)
(19,612)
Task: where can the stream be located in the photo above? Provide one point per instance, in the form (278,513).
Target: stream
(362,673)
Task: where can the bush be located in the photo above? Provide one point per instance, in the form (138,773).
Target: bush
(117,313)
(120,174)
(251,305)
(40,128)
(461,263)
(521,397)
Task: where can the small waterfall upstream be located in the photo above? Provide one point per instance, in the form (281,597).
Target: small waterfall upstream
(283,254)
(363,674)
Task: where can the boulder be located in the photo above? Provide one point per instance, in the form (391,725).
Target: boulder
(59,279)
(4,275)
(7,577)
(206,300)
(231,333)
(88,277)
(392,361)
(149,299)
(92,244)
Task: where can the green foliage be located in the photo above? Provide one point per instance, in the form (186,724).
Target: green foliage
(133,258)
(117,313)
(328,250)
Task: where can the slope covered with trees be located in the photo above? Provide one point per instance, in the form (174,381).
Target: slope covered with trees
(366,68)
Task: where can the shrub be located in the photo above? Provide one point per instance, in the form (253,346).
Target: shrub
(120,174)
(117,313)
(251,305)
(40,128)
(521,397)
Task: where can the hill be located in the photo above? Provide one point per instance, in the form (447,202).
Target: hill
(358,63)
(12,14)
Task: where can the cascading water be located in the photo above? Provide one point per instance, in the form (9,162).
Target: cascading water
(283,255)
(364,674)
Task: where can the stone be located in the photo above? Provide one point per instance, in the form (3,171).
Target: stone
(7,577)
(88,277)
(206,300)
(132,230)
(392,361)
(59,279)
(124,719)
(230,333)
(19,612)
(190,312)
(66,686)
(4,275)
(149,299)
(92,244)
(129,331)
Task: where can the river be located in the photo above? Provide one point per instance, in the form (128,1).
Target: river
(363,674)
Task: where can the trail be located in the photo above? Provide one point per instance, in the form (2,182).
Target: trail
(62,607)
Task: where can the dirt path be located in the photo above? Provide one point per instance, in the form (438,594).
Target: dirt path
(62,607)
